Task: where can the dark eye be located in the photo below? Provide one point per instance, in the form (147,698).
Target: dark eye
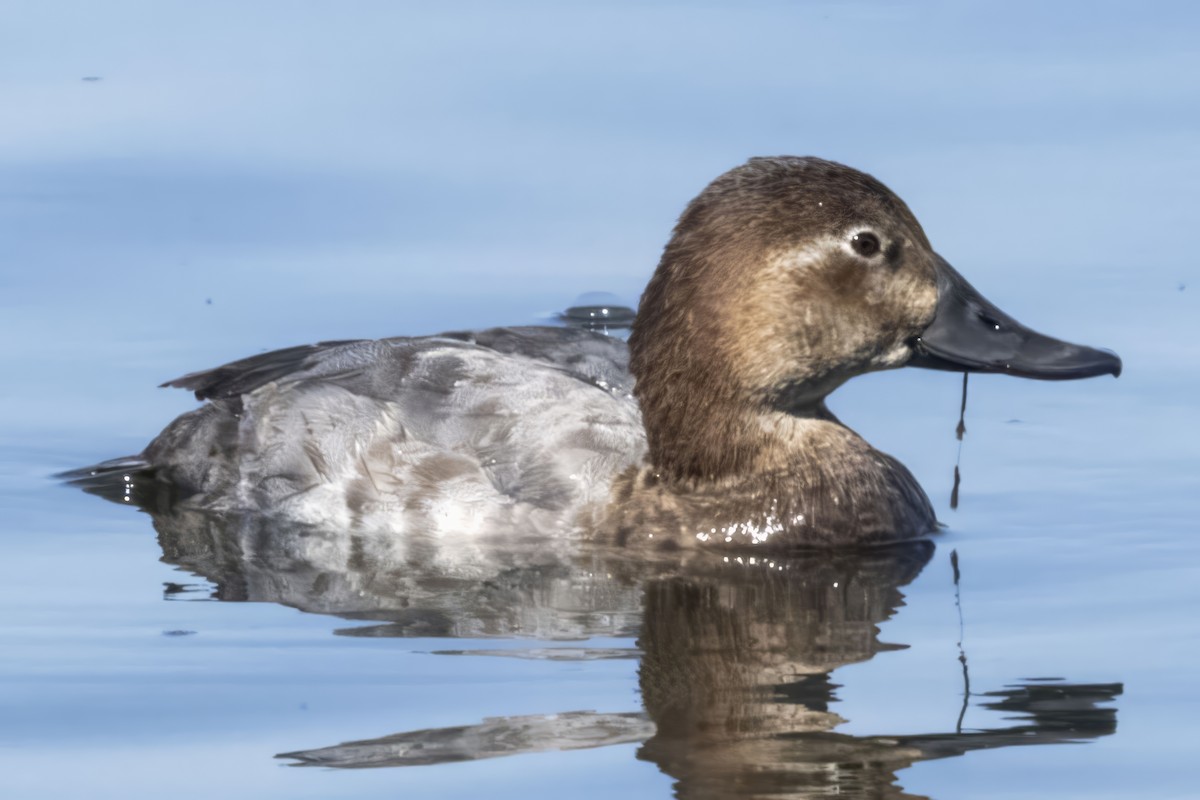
(865,243)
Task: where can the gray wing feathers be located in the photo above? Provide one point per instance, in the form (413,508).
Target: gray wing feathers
(247,374)
(591,357)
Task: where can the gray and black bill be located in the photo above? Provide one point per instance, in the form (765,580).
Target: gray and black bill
(969,334)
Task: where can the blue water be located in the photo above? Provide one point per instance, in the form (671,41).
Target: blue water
(247,176)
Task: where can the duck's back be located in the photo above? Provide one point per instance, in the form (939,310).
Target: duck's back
(462,431)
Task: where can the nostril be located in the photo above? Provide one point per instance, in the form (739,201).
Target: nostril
(990,321)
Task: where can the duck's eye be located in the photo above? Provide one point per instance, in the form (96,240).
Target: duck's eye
(865,243)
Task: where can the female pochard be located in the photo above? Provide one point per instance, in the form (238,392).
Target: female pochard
(783,279)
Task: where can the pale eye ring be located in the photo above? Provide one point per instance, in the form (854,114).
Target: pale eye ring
(865,243)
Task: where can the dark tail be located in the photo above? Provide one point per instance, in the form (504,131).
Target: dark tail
(104,470)
(128,480)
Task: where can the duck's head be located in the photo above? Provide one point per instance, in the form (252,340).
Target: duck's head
(786,277)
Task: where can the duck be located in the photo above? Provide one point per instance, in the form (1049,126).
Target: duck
(784,278)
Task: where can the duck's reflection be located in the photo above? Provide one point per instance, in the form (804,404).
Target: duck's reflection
(736,654)
(736,676)
(735,671)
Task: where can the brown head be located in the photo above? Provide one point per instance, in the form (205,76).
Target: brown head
(783,279)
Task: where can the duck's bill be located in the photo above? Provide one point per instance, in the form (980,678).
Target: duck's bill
(969,334)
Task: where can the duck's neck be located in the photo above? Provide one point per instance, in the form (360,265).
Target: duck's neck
(771,479)
(699,437)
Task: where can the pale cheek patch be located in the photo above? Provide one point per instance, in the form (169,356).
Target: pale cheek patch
(848,334)
(912,301)
(897,356)
(921,301)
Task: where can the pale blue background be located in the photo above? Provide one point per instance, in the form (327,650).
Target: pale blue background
(343,169)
